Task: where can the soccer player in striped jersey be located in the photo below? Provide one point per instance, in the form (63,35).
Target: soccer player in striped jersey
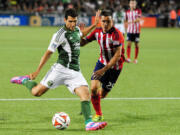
(132,19)
(66,71)
(110,62)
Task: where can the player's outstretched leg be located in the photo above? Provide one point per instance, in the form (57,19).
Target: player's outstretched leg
(20,79)
(24,80)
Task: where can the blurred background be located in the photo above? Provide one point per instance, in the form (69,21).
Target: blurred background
(156,13)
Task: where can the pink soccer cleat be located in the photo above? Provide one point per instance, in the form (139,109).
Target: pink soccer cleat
(91,126)
(20,79)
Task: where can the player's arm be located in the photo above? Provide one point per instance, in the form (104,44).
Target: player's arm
(89,38)
(137,20)
(139,17)
(99,73)
(43,60)
(84,42)
(52,48)
(86,30)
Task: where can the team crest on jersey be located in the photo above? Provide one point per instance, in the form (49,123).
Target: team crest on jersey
(54,45)
(50,83)
(63,43)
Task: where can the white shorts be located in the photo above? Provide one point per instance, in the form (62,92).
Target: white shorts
(60,75)
(120,27)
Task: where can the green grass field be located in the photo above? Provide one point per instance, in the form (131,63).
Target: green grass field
(156,75)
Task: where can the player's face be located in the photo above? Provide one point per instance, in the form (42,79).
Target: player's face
(132,4)
(71,22)
(106,23)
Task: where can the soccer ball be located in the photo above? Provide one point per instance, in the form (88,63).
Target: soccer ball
(61,120)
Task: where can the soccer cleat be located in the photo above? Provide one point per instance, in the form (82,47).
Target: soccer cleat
(128,60)
(135,61)
(20,79)
(91,126)
(97,118)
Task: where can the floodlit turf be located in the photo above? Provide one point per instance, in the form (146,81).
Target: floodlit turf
(156,75)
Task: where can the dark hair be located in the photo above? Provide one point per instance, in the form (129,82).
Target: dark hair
(70,12)
(106,13)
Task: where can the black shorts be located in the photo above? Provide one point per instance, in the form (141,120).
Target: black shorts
(134,37)
(109,78)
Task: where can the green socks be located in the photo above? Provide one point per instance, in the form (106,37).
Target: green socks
(86,111)
(29,84)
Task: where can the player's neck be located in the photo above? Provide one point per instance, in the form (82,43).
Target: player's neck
(67,28)
(108,30)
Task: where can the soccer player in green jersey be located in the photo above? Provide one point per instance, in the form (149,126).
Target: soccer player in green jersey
(66,71)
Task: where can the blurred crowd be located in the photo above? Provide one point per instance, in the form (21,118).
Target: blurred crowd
(86,7)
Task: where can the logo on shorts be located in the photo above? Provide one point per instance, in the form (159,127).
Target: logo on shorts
(110,85)
(50,83)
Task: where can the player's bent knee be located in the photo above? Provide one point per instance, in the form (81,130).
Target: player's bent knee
(35,93)
(38,90)
(94,88)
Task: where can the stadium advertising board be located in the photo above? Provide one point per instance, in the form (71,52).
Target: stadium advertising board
(54,20)
(14,20)
(148,22)
(178,20)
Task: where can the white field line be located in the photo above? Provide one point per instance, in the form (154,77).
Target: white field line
(63,99)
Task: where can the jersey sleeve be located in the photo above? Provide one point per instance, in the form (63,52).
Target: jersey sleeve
(55,42)
(91,36)
(118,39)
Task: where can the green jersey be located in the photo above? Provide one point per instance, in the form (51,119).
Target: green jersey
(119,17)
(67,43)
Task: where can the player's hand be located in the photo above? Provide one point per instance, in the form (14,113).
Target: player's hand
(34,75)
(98,74)
(97,18)
(81,26)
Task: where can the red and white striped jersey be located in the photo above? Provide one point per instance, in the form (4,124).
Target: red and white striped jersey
(132,15)
(108,42)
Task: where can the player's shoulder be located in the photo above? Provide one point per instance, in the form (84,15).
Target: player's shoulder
(138,9)
(116,30)
(59,33)
(117,34)
(128,10)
